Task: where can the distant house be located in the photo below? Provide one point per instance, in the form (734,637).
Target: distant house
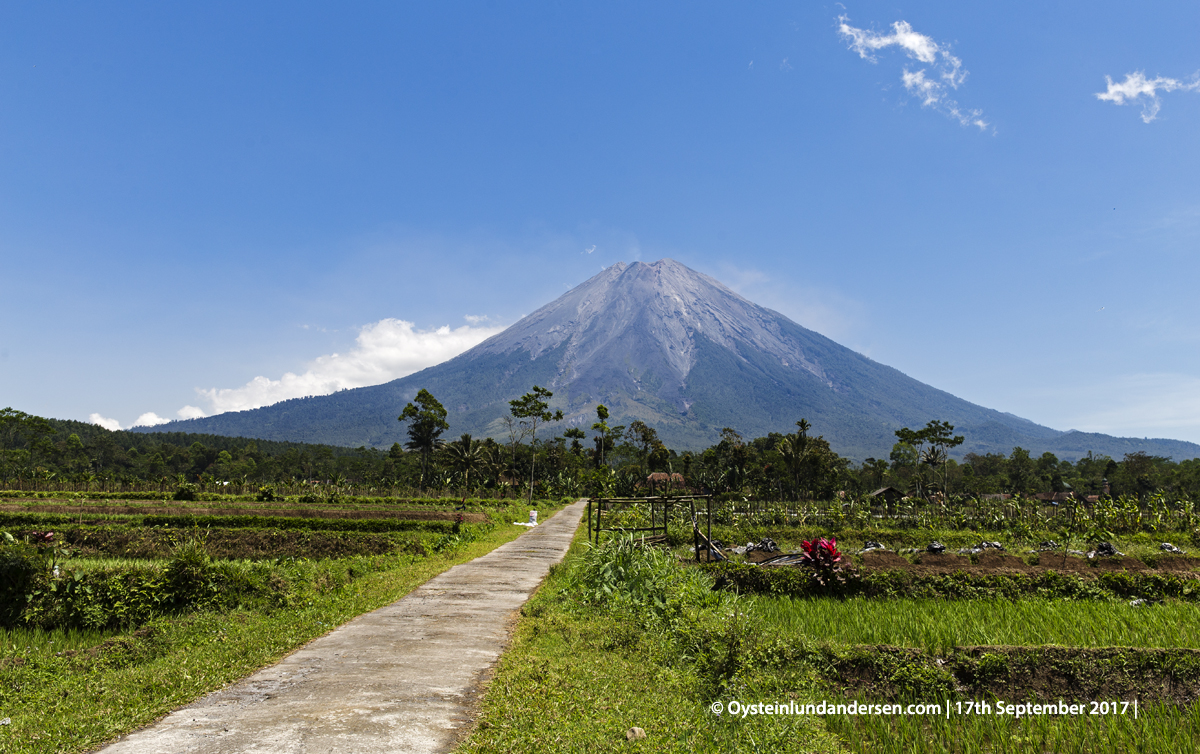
(889,495)
(1054,498)
(661,479)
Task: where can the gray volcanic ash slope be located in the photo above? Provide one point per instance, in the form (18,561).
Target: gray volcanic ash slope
(677,349)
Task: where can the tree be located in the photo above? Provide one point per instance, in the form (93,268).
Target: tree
(601,426)
(794,451)
(652,450)
(464,456)
(530,409)
(426,422)
(1020,470)
(875,471)
(937,435)
(575,434)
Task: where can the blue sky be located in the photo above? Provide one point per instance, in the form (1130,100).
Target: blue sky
(207,206)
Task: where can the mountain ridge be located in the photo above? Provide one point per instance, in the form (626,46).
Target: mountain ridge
(664,344)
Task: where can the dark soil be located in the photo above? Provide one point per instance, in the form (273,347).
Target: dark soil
(140,542)
(988,563)
(1047,673)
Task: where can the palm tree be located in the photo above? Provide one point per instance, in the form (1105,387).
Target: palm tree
(464,456)
(795,452)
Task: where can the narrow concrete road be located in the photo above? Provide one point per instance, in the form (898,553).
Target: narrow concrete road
(400,679)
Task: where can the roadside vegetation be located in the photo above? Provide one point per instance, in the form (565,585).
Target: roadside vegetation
(624,635)
(145,569)
(95,642)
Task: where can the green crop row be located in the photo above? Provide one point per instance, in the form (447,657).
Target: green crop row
(43,520)
(940,626)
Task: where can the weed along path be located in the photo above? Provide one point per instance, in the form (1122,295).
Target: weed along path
(400,679)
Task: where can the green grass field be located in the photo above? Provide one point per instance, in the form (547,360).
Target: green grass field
(936,626)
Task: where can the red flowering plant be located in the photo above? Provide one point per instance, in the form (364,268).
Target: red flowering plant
(823,557)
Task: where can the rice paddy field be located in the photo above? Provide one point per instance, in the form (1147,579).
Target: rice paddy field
(937,626)
(1112,642)
(113,612)
(1132,667)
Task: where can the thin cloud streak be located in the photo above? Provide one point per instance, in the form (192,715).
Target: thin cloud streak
(1138,405)
(1136,86)
(931,85)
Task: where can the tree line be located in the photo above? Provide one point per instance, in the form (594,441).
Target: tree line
(601,459)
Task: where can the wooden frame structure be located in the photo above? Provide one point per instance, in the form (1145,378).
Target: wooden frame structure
(660,511)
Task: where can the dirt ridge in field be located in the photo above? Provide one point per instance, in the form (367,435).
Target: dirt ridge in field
(992,563)
(128,510)
(1046,673)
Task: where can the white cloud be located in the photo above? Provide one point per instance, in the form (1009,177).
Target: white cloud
(475,319)
(190,412)
(931,85)
(149,419)
(385,350)
(110,424)
(1136,86)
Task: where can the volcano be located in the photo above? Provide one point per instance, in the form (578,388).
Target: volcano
(681,352)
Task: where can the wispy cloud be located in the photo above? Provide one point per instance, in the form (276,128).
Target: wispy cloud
(1136,87)
(104,421)
(932,84)
(1137,405)
(385,350)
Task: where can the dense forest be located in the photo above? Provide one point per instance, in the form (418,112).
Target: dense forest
(38,453)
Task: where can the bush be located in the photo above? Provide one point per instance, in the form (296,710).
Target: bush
(23,568)
(190,577)
(185,491)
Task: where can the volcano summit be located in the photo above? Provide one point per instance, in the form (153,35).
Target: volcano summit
(678,350)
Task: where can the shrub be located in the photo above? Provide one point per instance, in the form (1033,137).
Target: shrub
(190,577)
(185,491)
(22,568)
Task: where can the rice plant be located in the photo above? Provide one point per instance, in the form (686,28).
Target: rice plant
(937,626)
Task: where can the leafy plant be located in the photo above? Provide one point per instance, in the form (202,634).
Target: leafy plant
(22,567)
(185,491)
(822,556)
(190,576)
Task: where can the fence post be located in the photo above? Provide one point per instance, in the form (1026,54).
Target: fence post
(695,531)
(709,523)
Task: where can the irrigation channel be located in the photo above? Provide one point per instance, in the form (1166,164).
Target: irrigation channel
(400,679)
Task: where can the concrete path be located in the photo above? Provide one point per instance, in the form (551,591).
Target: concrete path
(400,679)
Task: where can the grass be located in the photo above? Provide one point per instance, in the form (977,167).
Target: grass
(77,701)
(35,642)
(582,671)
(935,625)
(1157,728)
(579,676)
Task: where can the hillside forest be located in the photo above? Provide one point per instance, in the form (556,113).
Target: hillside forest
(39,453)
